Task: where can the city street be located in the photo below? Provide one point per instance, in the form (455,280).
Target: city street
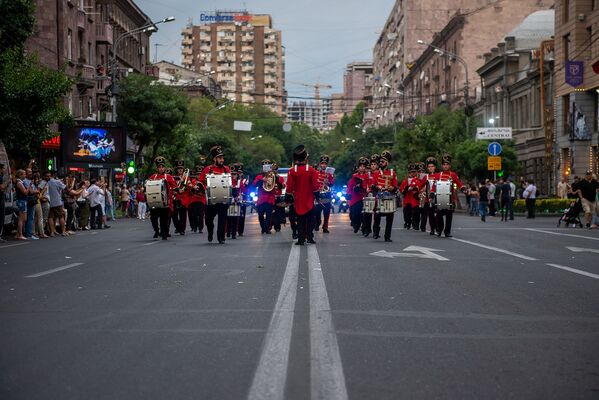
(499,311)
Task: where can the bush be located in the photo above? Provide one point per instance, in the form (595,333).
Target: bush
(544,205)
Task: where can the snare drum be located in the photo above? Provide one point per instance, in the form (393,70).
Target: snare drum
(157,193)
(218,189)
(369,204)
(280,201)
(325,197)
(387,203)
(443,190)
(234,210)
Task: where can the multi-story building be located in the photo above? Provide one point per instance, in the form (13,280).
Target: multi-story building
(192,83)
(512,85)
(80,36)
(314,114)
(357,86)
(576,101)
(405,70)
(245,53)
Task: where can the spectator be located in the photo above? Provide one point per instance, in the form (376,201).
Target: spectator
(573,193)
(102,197)
(587,191)
(504,192)
(474,196)
(95,196)
(4,182)
(530,198)
(125,197)
(483,201)
(55,188)
(512,197)
(21,194)
(83,203)
(141,203)
(109,203)
(38,217)
(45,199)
(563,188)
(523,185)
(71,203)
(31,202)
(492,205)
(131,209)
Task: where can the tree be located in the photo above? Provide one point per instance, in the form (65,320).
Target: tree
(16,23)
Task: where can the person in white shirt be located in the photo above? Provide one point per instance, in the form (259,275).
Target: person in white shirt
(563,188)
(530,197)
(492,204)
(512,197)
(95,195)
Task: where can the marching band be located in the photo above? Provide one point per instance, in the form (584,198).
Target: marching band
(217,191)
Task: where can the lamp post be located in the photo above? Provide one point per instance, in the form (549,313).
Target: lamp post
(215,109)
(461,61)
(149,27)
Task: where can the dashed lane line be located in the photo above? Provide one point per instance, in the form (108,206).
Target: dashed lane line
(13,245)
(561,234)
(484,246)
(51,271)
(576,271)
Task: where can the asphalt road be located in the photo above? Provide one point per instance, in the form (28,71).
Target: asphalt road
(500,311)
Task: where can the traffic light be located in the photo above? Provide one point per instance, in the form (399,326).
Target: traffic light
(131,167)
(500,174)
(50,166)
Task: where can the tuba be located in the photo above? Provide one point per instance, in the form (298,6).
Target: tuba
(269,181)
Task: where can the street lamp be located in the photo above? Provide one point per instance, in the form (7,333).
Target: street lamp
(149,27)
(215,109)
(491,121)
(461,61)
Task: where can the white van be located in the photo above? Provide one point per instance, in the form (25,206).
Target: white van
(10,215)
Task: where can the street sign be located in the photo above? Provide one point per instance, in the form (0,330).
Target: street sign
(493,133)
(494,163)
(242,126)
(494,149)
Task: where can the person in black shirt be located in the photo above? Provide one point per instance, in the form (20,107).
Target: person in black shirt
(483,201)
(587,190)
(503,192)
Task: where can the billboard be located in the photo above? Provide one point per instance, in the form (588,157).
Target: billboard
(93,146)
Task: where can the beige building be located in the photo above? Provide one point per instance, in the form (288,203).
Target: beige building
(577,107)
(192,83)
(245,53)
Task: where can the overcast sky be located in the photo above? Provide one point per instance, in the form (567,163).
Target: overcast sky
(320,36)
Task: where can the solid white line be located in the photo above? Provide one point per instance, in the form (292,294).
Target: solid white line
(576,271)
(149,243)
(13,245)
(326,370)
(561,234)
(51,271)
(484,246)
(271,374)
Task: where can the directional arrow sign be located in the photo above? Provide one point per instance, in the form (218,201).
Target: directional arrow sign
(581,250)
(423,252)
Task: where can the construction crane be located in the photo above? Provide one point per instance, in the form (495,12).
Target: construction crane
(316,87)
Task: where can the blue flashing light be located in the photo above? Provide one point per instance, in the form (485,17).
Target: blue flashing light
(343,198)
(253,194)
(339,194)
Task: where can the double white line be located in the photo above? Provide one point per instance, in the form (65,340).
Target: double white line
(326,371)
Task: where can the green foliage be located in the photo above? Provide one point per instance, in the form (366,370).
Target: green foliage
(16,23)
(544,205)
(30,102)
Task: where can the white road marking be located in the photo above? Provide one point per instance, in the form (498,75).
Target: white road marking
(561,234)
(150,243)
(51,271)
(425,252)
(13,245)
(582,250)
(326,370)
(484,246)
(576,271)
(271,374)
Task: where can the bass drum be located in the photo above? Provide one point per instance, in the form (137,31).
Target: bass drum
(369,205)
(325,197)
(157,193)
(218,189)
(443,190)
(234,210)
(387,203)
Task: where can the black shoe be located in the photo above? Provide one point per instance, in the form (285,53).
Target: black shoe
(325,231)
(106,226)
(356,230)
(228,235)
(299,243)
(388,240)
(156,235)
(168,235)
(210,236)
(311,241)
(439,234)
(200,232)
(267,233)
(164,238)
(221,242)
(375,236)
(423,230)
(182,233)
(448,235)
(294,235)
(240,235)
(432,233)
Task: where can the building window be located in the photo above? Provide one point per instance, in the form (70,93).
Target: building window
(90,53)
(566,114)
(81,46)
(566,10)
(566,44)
(70,45)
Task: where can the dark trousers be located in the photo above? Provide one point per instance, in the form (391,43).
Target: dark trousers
(416,216)
(505,206)
(511,212)
(293,219)
(492,208)
(427,212)
(322,209)
(211,212)
(388,224)
(530,207)
(241,222)
(355,215)
(305,226)
(196,216)
(2,211)
(180,218)
(70,226)
(265,216)
(232,223)
(407,215)
(366,223)
(444,225)
(278,217)
(161,214)
(95,216)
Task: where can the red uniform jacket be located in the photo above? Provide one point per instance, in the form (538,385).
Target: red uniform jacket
(170,183)
(302,182)
(195,197)
(321,177)
(380,181)
(352,185)
(410,189)
(238,189)
(445,176)
(263,196)
(279,188)
(424,183)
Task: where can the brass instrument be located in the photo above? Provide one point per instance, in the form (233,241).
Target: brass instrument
(183,180)
(269,182)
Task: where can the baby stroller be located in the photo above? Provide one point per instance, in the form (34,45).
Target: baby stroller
(571,214)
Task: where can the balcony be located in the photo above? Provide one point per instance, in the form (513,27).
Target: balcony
(205,48)
(187,50)
(86,76)
(270,61)
(104,33)
(102,84)
(187,41)
(269,79)
(246,48)
(81,19)
(270,50)
(247,68)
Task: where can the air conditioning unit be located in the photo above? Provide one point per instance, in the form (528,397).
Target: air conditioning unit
(141,51)
(581,17)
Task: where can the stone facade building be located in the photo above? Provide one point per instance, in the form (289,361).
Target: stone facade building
(192,83)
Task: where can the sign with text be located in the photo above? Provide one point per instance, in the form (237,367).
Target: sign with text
(242,126)
(493,133)
(574,73)
(494,163)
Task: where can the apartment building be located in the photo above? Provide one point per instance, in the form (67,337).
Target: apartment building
(577,98)
(243,53)
(314,113)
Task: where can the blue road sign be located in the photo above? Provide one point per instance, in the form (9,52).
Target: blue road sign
(494,149)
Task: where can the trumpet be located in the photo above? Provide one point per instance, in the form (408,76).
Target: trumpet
(183,180)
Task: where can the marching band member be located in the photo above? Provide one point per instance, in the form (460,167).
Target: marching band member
(243,191)
(162,214)
(446,175)
(212,210)
(181,199)
(367,218)
(384,180)
(233,222)
(302,182)
(428,211)
(278,216)
(197,202)
(266,200)
(357,188)
(409,188)
(325,182)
